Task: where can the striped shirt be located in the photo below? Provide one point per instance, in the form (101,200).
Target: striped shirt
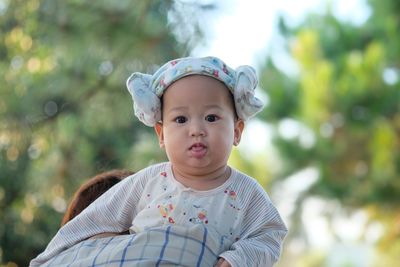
(242,224)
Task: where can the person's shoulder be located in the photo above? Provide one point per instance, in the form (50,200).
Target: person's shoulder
(142,177)
(152,170)
(156,168)
(248,184)
(241,177)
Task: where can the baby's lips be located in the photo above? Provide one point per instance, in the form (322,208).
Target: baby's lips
(197,146)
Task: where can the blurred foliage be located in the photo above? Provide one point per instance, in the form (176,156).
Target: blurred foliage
(344,106)
(65,114)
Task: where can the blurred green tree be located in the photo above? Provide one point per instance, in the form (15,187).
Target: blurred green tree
(65,114)
(344,102)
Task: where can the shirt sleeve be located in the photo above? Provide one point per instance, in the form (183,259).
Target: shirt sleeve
(262,235)
(111,212)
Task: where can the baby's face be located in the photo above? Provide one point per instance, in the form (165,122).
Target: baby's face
(199,125)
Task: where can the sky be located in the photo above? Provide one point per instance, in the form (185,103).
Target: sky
(240,31)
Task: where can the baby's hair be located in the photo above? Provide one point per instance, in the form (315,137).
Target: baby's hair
(91,190)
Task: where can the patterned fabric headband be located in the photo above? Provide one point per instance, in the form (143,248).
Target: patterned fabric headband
(146,90)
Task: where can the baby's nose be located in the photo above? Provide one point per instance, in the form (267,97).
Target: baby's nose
(197,129)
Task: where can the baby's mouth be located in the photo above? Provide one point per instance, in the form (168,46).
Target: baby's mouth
(198,150)
(197,146)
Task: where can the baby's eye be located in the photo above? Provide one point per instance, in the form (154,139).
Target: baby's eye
(180,119)
(211,118)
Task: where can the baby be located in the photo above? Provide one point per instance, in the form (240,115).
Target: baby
(193,210)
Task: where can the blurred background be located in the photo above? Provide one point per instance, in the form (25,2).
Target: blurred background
(326,148)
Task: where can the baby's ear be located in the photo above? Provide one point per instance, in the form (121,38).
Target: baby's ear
(158,127)
(239,126)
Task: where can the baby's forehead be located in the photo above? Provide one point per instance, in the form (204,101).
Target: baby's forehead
(198,80)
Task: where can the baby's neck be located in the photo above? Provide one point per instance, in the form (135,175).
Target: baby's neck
(203,182)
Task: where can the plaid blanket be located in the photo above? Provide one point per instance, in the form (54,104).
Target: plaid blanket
(162,246)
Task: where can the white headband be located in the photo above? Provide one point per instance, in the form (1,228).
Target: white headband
(146,90)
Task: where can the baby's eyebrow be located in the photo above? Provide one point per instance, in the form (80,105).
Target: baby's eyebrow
(184,108)
(177,109)
(213,106)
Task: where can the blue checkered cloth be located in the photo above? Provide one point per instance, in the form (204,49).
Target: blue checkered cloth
(162,246)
